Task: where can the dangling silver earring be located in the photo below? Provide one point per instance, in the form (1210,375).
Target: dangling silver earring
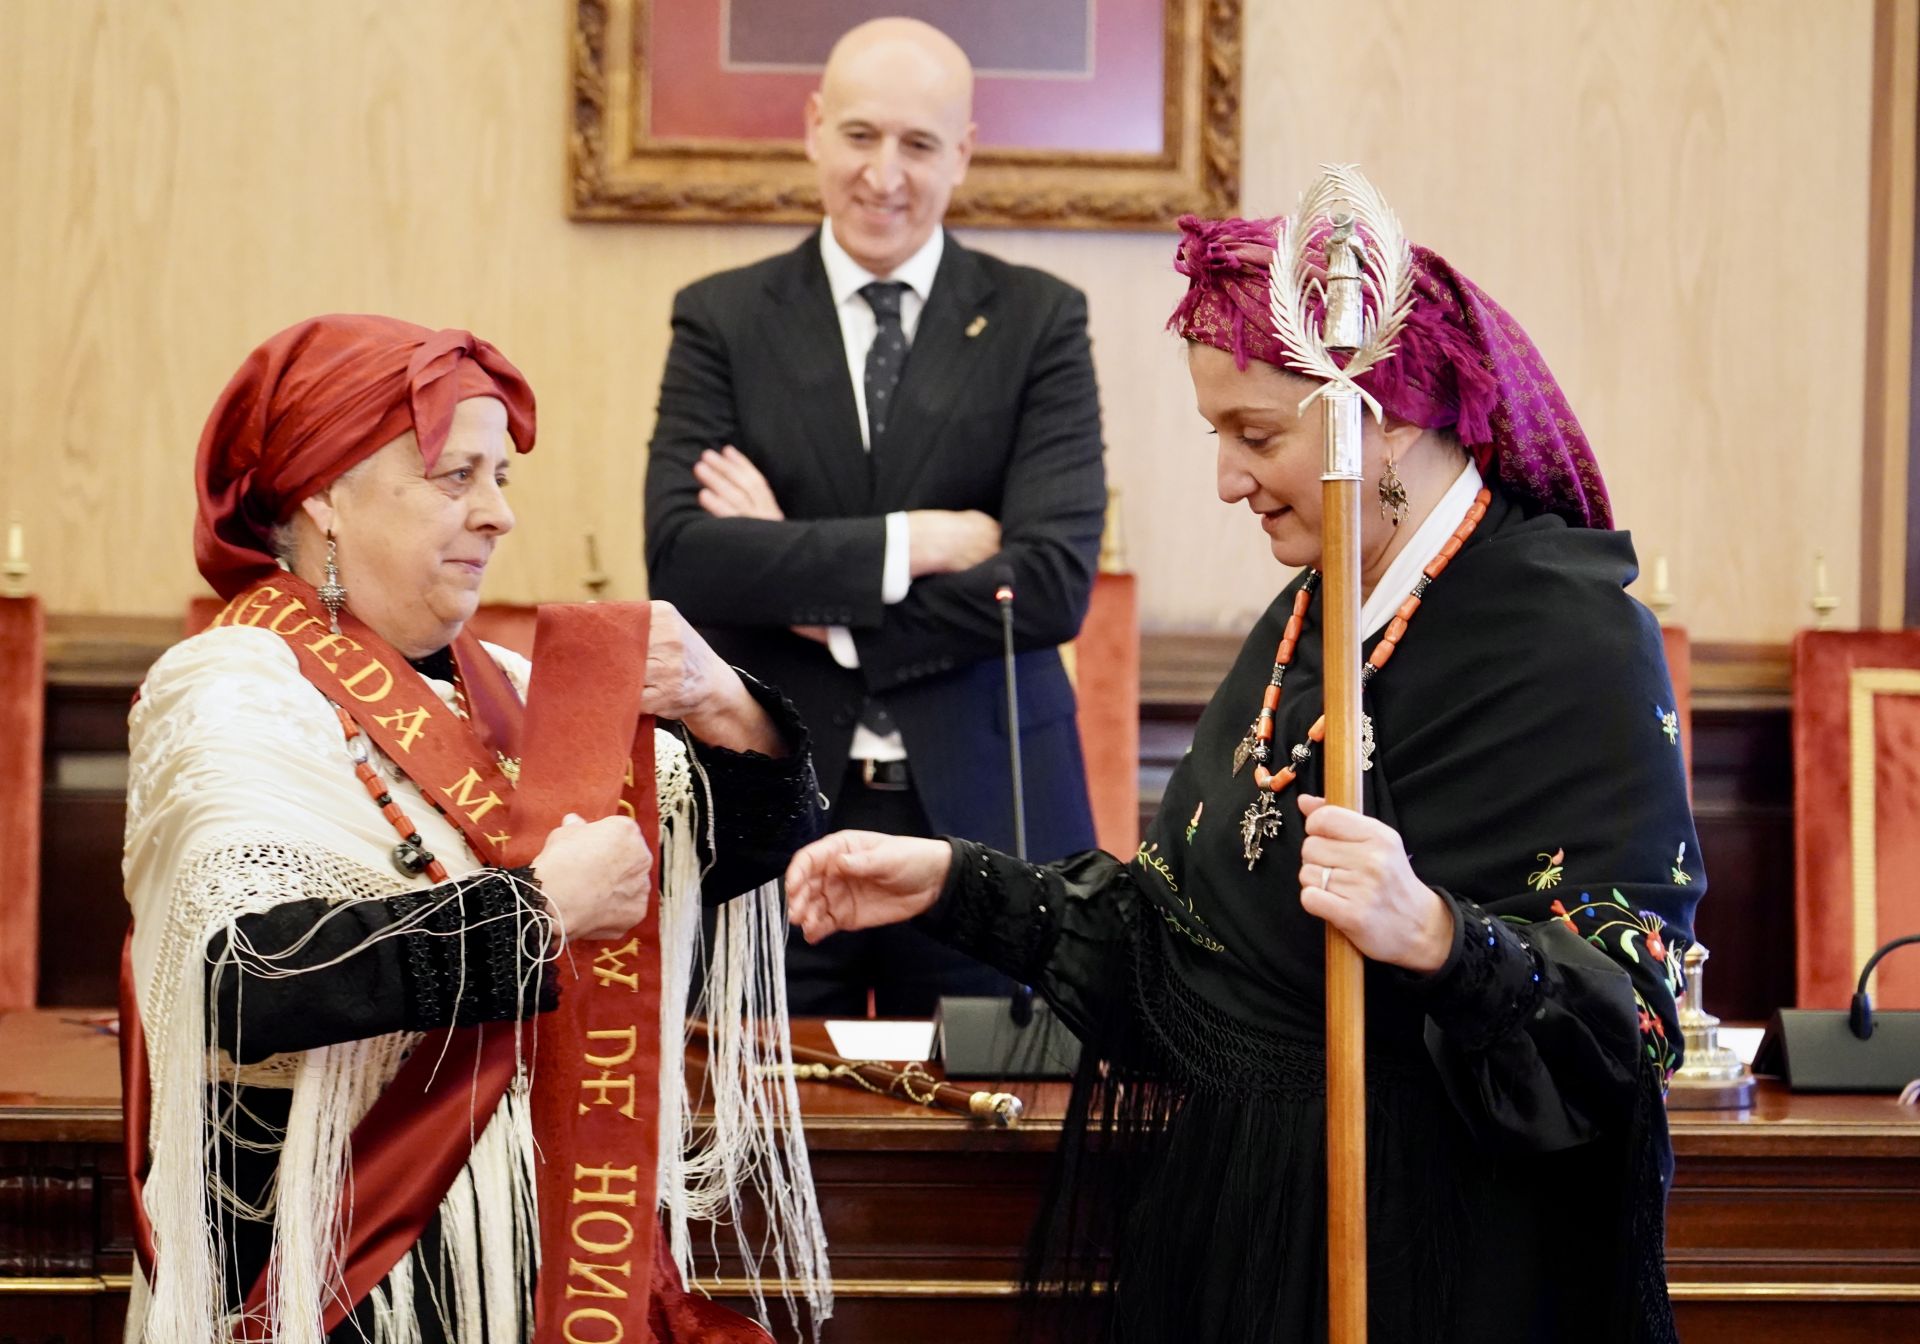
(1393,495)
(332,595)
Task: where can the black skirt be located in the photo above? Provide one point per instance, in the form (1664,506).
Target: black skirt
(1190,1201)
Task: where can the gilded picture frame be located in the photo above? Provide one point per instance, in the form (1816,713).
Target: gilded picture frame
(624,167)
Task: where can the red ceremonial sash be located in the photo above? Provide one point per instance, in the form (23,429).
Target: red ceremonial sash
(596,1113)
(585,748)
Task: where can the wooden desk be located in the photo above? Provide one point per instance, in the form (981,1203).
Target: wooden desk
(1799,1221)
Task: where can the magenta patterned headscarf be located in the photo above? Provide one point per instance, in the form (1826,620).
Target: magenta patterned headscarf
(1461,362)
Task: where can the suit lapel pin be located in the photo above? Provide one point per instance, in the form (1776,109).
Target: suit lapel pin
(975,327)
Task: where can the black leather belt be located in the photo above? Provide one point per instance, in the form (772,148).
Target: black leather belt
(886,776)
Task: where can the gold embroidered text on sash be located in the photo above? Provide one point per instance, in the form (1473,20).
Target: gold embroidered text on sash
(391,702)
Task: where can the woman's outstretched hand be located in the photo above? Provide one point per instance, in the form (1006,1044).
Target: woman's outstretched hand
(861,879)
(1355,874)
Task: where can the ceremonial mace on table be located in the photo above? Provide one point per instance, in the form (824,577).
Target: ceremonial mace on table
(1366,258)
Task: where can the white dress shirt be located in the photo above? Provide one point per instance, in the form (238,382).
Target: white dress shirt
(858,327)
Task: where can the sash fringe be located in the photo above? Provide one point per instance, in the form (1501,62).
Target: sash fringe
(754,1140)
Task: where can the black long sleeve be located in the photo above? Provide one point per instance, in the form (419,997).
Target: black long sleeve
(1065,928)
(1536,1033)
(764,807)
(311,973)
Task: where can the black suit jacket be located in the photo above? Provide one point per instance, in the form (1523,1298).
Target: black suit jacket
(1005,420)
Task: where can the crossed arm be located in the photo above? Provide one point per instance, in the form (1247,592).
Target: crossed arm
(712,513)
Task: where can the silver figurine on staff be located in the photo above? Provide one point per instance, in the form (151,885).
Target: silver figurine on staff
(1366,254)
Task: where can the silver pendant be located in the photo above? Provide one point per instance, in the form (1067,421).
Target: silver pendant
(1244,752)
(1366,741)
(410,858)
(1259,824)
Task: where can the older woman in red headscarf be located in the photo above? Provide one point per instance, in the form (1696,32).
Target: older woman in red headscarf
(1521,877)
(319,860)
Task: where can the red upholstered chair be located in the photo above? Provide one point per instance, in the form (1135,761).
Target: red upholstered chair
(23,708)
(1105,665)
(1856,811)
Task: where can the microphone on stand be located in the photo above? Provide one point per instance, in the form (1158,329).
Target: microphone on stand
(1003,594)
(1021,1006)
(1860,1009)
(991,1035)
(1855,1049)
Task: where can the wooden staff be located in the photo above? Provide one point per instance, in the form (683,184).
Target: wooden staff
(911,1084)
(1340,646)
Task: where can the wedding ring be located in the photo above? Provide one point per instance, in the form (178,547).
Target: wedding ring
(1326,879)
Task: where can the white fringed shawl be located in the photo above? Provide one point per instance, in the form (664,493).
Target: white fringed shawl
(242,797)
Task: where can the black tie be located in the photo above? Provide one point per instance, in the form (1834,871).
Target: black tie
(886,357)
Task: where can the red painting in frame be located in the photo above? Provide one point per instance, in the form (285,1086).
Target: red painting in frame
(1115,113)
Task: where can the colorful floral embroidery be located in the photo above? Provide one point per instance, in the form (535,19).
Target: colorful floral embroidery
(1550,875)
(1669,723)
(1193,823)
(1653,1039)
(1616,928)
(1613,925)
(1680,879)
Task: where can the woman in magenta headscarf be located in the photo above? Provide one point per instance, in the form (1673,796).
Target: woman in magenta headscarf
(1520,879)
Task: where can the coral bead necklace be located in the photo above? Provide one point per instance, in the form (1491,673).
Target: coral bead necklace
(1262,819)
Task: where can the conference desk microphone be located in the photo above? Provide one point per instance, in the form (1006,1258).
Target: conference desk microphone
(1860,1010)
(1015,1036)
(1853,1049)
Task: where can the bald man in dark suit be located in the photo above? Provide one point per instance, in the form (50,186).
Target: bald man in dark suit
(857,441)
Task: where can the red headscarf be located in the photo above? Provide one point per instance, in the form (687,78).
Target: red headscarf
(315,400)
(1461,362)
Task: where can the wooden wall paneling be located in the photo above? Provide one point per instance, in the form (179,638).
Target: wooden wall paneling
(1743,812)
(1683,242)
(83,909)
(1894,41)
(49,1210)
(63,1317)
(94,665)
(65,1252)
(1763,1319)
(1886,444)
(65,1223)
